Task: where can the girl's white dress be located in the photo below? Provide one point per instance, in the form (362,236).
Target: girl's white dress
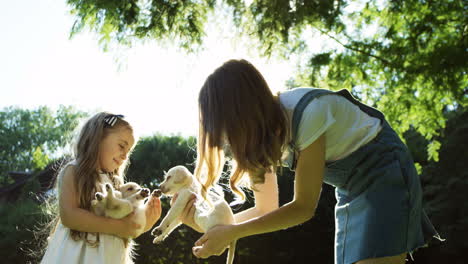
(63,249)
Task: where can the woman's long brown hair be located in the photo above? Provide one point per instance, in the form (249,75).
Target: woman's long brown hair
(237,109)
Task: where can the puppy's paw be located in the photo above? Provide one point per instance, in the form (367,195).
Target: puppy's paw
(99,196)
(108,186)
(158,239)
(144,192)
(156,231)
(117,181)
(157,193)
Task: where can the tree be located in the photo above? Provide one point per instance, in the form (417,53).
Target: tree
(31,137)
(445,184)
(155,154)
(128,20)
(411,66)
(411,52)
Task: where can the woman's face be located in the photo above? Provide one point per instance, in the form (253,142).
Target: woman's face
(114,149)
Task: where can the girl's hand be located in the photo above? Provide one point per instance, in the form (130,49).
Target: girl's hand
(215,241)
(187,216)
(153,212)
(129,227)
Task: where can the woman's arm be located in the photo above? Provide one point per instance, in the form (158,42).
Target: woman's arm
(266,199)
(83,220)
(307,188)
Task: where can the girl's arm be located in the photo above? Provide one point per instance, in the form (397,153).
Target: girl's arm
(153,212)
(307,188)
(83,220)
(266,199)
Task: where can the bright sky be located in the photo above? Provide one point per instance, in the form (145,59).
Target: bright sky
(156,89)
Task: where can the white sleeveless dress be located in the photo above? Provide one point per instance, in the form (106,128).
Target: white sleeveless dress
(63,249)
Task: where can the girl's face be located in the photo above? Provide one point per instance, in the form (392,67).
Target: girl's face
(114,149)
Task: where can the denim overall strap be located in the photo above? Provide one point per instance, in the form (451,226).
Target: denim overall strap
(365,108)
(296,119)
(304,102)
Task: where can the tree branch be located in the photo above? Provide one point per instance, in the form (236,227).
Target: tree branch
(386,62)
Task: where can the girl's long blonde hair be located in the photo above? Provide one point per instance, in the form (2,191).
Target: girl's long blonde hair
(86,158)
(237,109)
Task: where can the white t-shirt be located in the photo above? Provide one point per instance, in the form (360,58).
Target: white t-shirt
(346,127)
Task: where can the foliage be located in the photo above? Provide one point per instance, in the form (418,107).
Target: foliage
(127,20)
(410,52)
(18,221)
(153,155)
(411,65)
(313,239)
(445,184)
(31,137)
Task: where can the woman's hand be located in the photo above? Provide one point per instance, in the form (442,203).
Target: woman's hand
(187,216)
(153,212)
(215,241)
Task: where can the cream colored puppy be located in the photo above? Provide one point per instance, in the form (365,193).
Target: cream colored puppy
(119,203)
(178,180)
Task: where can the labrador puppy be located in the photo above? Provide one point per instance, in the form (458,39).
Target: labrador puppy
(119,203)
(178,180)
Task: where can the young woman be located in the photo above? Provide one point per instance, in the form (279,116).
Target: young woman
(324,136)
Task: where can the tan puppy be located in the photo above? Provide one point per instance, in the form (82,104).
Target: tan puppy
(119,203)
(180,181)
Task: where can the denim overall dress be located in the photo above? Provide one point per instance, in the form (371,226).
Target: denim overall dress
(379,198)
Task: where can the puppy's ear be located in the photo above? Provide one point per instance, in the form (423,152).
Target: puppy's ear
(178,181)
(179,178)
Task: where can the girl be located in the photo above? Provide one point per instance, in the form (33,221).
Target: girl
(100,156)
(324,136)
